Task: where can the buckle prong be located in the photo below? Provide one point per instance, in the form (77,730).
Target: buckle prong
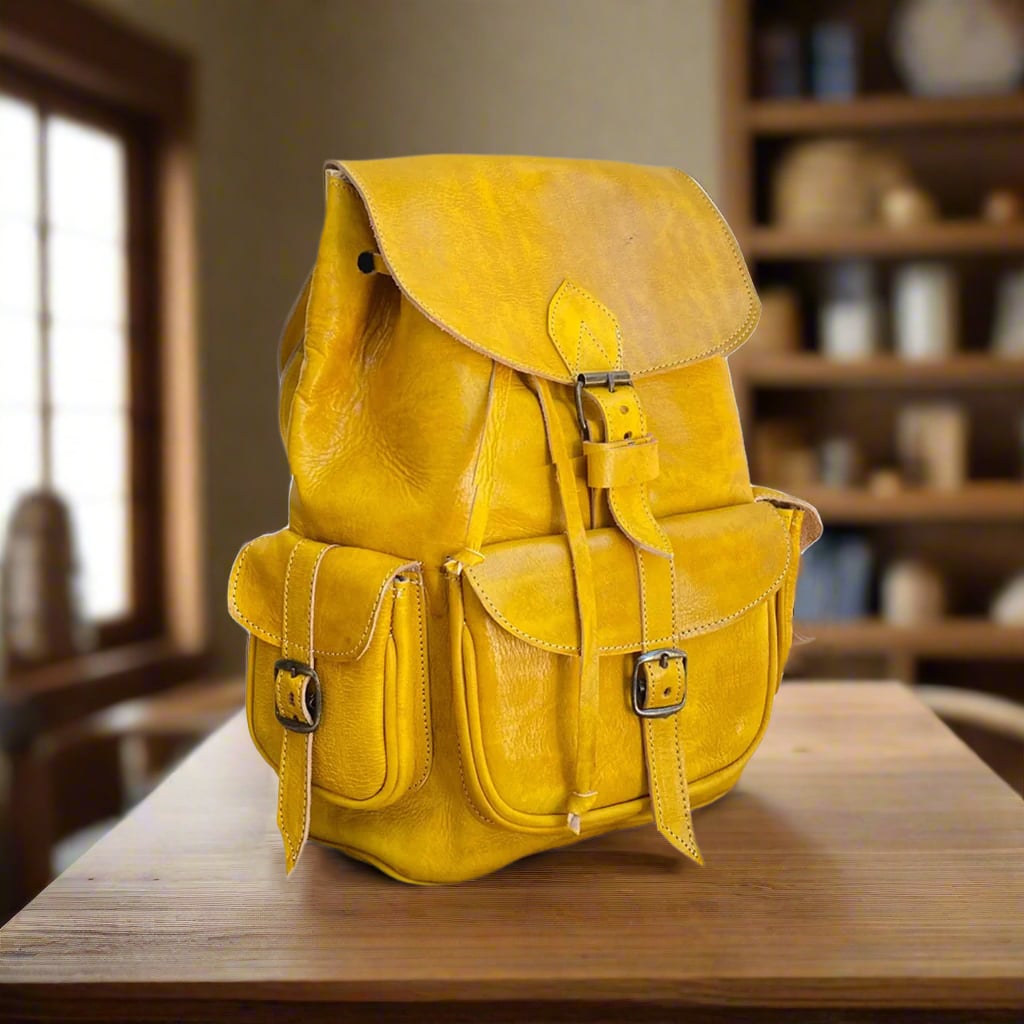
(314,695)
(663,655)
(609,379)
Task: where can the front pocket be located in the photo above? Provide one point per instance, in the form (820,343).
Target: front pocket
(373,742)
(516,644)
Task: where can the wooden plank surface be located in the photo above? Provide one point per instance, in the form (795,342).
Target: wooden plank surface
(867,859)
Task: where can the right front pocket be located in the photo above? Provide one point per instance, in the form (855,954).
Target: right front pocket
(515,638)
(369,649)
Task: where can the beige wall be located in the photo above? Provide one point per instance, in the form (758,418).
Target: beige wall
(283,85)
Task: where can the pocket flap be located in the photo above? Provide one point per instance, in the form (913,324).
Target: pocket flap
(350,586)
(727,561)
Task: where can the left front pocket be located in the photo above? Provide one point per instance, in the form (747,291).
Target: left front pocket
(370,652)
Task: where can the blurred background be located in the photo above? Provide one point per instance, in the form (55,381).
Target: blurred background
(160,198)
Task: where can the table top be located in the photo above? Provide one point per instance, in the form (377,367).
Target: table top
(866,859)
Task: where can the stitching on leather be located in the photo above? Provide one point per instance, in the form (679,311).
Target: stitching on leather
(515,630)
(424,676)
(574,365)
(271,637)
(282,820)
(571,365)
(623,521)
(285,642)
(470,802)
(307,783)
(726,346)
(290,842)
(701,627)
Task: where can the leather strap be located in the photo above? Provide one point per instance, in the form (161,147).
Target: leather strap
(296,697)
(584,795)
(484,471)
(662,680)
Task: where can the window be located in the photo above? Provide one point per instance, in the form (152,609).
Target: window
(93,183)
(63,421)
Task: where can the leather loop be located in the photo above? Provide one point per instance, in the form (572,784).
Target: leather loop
(622,421)
(584,331)
(290,692)
(621,463)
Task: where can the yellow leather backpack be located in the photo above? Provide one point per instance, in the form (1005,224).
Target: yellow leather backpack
(527,593)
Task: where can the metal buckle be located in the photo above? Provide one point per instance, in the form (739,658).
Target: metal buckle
(609,378)
(314,695)
(663,655)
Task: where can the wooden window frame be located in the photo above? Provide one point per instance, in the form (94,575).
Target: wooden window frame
(74,59)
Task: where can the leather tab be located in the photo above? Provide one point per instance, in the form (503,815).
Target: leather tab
(584,331)
(291,686)
(621,463)
(663,743)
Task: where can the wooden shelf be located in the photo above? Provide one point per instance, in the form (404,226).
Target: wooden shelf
(953,237)
(982,501)
(807,370)
(959,149)
(966,639)
(882,113)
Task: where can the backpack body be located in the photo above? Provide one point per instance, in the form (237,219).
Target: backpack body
(527,593)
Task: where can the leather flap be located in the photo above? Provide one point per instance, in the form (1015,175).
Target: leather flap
(727,561)
(481,244)
(350,586)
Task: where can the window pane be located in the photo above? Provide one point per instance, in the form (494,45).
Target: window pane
(87,280)
(85,179)
(21,459)
(90,454)
(88,368)
(102,539)
(19,267)
(19,153)
(19,364)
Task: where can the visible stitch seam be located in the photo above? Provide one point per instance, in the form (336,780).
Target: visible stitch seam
(282,817)
(726,346)
(276,638)
(424,677)
(307,783)
(623,520)
(574,366)
(571,648)
(703,627)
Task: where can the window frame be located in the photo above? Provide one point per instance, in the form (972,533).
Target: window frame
(70,59)
(144,617)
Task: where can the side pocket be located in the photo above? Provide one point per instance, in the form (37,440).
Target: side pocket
(373,744)
(515,643)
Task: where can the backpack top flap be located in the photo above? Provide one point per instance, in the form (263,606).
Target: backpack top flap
(481,244)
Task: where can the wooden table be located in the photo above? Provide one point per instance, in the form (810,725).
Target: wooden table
(867,861)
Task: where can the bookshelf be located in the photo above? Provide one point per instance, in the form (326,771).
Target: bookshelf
(959,148)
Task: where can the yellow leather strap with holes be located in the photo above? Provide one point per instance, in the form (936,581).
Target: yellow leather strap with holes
(584,795)
(663,680)
(297,698)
